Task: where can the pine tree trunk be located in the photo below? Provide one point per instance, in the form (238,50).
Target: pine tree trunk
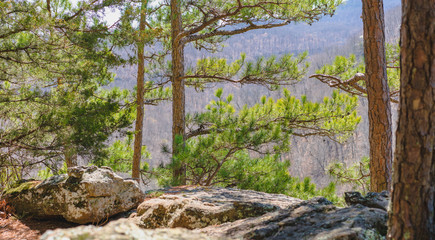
(178,93)
(140,98)
(412,214)
(378,94)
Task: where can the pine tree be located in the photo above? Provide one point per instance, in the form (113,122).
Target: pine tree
(223,136)
(54,61)
(140,96)
(349,75)
(206,24)
(376,89)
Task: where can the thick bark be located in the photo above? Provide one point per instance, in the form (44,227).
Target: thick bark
(178,93)
(412,214)
(140,98)
(380,134)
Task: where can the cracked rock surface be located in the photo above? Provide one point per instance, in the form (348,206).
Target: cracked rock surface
(316,218)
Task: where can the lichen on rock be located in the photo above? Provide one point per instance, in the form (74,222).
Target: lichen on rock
(21,187)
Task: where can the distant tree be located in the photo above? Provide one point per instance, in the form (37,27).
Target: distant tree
(135,174)
(178,93)
(413,196)
(206,24)
(131,42)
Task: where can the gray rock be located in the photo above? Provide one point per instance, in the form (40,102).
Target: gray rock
(84,195)
(313,219)
(198,207)
(123,229)
(245,214)
(372,199)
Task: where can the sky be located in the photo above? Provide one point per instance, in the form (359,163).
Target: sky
(110,15)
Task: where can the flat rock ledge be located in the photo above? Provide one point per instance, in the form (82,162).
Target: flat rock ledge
(199,207)
(84,195)
(124,229)
(314,219)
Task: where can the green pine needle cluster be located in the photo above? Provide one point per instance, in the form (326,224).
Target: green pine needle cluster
(270,72)
(357,175)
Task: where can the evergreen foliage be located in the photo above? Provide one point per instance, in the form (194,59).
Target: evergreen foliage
(347,73)
(55,62)
(222,140)
(271,72)
(206,25)
(358,174)
(119,154)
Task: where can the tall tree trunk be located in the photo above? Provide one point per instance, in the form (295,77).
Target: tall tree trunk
(178,95)
(412,214)
(140,96)
(378,95)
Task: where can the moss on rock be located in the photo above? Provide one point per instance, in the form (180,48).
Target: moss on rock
(21,187)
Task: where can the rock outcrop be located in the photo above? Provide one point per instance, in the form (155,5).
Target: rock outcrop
(372,199)
(314,219)
(231,213)
(84,195)
(217,213)
(123,229)
(199,207)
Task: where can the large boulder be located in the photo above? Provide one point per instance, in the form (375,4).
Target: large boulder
(199,207)
(84,195)
(123,230)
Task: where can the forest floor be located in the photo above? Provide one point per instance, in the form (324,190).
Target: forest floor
(28,229)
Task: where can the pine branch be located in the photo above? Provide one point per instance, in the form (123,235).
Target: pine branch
(252,26)
(351,85)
